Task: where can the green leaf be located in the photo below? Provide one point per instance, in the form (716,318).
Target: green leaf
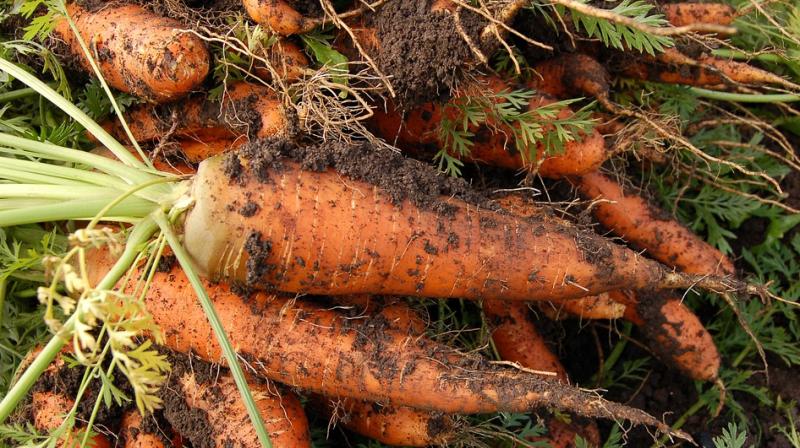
(326,55)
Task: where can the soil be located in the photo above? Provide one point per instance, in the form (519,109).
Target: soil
(422,52)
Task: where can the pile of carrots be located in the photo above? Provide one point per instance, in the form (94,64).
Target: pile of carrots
(277,217)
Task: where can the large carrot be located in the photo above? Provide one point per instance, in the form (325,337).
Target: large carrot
(516,339)
(133,433)
(224,415)
(303,345)
(245,110)
(420,125)
(312,232)
(137,51)
(601,306)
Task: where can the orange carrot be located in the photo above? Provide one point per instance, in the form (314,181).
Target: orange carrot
(681,14)
(675,333)
(419,126)
(303,345)
(571,74)
(217,397)
(279,15)
(137,51)
(371,243)
(245,110)
(601,306)
(633,218)
(287,59)
(516,339)
(133,433)
(398,426)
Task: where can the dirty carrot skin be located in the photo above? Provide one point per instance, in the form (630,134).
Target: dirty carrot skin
(397,426)
(516,339)
(245,110)
(601,306)
(570,74)
(418,126)
(279,15)
(675,333)
(303,345)
(137,51)
(368,244)
(132,433)
(633,218)
(681,14)
(287,59)
(218,398)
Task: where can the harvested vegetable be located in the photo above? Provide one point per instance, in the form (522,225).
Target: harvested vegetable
(138,52)
(681,14)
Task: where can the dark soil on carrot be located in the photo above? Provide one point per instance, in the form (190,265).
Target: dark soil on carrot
(421,51)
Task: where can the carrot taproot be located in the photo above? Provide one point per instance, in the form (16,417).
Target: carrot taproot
(246,110)
(601,306)
(681,14)
(633,218)
(419,126)
(571,74)
(279,15)
(138,52)
(286,58)
(134,434)
(517,340)
(217,397)
(307,346)
(397,426)
(673,67)
(675,333)
(312,232)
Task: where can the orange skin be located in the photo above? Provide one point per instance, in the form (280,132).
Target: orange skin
(681,14)
(287,59)
(282,414)
(631,217)
(673,325)
(570,74)
(676,333)
(419,127)
(279,15)
(397,426)
(132,434)
(365,244)
(137,51)
(517,340)
(203,120)
(600,306)
(304,345)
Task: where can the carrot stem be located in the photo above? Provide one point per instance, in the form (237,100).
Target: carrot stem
(745,97)
(7,97)
(205,302)
(139,235)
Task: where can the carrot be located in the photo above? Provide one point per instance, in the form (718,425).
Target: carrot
(676,334)
(311,232)
(307,346)
(419,126)
(134,434)
(137,51)
(600,306)
(398,426)
(681,14)
(516,339)
(571,74)
(48,406)
(279,15)
(218,399)
(673,67)
(636,220)
(245,110)
(287,59)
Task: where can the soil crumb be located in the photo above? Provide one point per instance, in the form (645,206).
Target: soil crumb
(422,52)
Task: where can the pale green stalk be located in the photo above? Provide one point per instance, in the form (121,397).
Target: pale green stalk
(54,152)
(54,191)
(75,209)
(70,109)
(16,203)
(13,95)
(745,97)
(138,236)
(205,301)
(73,174)
(25,177)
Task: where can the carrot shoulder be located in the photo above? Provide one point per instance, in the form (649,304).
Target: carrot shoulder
(137,51)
